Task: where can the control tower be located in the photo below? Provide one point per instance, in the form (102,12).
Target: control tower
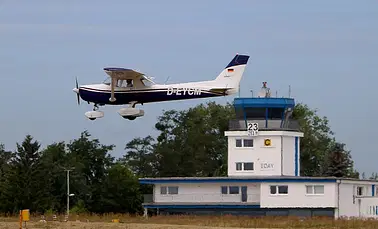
(264,139)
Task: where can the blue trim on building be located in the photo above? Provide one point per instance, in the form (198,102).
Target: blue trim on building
(296,157)
(373,190)
(233,180)
(264,102)
(212,206)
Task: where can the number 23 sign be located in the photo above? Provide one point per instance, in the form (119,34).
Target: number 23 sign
(252,128)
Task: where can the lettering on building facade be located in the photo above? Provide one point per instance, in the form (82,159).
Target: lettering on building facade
(267,166)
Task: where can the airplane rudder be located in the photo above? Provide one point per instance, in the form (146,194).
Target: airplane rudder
(238,60)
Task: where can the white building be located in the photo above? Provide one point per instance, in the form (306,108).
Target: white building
(264,174)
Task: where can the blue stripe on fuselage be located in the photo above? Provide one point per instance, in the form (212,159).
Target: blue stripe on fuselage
(100,97)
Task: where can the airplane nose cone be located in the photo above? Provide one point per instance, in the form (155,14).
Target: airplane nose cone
(76,90)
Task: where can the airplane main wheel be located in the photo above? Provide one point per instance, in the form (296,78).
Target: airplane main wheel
(129,117)
(92,115)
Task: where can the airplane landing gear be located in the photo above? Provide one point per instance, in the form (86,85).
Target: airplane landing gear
(131,112)
(93,115)
(95,107)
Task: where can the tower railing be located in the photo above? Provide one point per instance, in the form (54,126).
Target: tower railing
(278,124)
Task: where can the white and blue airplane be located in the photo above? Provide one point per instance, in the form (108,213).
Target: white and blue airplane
(130,87)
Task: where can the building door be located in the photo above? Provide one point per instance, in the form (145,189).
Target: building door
(244,195)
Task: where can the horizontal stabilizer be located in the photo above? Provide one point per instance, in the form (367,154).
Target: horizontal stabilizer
(221,90)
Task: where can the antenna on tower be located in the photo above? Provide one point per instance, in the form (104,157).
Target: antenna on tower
(264,92)
(289,91)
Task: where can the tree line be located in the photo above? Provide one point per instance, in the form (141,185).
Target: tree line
(190,143)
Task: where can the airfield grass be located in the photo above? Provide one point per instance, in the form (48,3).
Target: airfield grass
(91,221)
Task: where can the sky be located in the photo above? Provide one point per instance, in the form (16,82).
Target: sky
(327,51)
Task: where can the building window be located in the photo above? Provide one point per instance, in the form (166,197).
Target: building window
(163,190)
(273,190)
(360,191)
(230,190)
(315,189)
(238,143)
(172,190)
(224,189)
(248,166)
(248,142)
(234,189)
(244,143)
(283,189)
(279,189)
(244,166)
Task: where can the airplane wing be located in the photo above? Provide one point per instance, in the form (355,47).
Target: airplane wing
(121,74)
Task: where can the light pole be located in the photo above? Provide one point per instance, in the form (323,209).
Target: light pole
(68,190)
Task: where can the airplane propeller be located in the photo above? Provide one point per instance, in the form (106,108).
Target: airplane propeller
(76,90)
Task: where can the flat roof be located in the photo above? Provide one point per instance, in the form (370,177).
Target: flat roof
(247,179)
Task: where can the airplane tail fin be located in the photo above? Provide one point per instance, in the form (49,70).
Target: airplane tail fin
(231,76)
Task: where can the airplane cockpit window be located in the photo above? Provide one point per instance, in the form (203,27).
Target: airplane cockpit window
(107,81)
(146,83)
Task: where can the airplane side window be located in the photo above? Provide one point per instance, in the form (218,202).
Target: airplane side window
(129,83)
(119,83)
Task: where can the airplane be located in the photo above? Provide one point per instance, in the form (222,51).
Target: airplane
(130,87)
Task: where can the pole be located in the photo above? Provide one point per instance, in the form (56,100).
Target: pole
(68,189)
(68,169)
(20,219)
(68,193)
